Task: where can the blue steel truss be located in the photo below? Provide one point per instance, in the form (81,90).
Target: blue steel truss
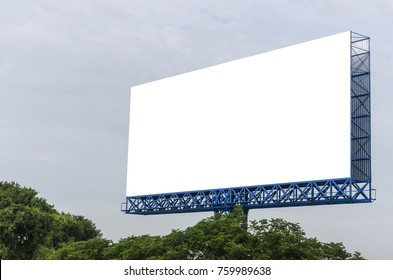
(360,107)
(355,189)
(322,192)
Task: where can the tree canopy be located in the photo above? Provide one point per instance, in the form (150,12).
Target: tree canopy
(28,223)
(30,228)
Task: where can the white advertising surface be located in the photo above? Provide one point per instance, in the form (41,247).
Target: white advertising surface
(277,117)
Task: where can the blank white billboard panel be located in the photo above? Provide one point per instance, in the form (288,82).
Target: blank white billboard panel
(277,117)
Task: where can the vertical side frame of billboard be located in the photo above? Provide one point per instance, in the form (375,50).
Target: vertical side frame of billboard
(361,115)
(354,189)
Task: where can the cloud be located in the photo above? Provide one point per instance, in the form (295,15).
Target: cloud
(66,68)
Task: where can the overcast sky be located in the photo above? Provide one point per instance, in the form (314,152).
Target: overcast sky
(66,68)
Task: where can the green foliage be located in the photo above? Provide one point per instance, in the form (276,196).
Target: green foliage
(30,228)
(92,249)
(277,239)
(28,223)
(357,256)
(24,221)
(224,237)
(143,247)
(176,246)
(219,237)
(70,228)
(335,251)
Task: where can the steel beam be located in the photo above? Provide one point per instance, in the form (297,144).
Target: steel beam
(321,192)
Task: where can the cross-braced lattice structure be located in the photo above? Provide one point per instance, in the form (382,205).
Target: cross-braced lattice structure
(360,107)
(320,192)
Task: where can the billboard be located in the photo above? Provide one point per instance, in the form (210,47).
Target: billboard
(276,117)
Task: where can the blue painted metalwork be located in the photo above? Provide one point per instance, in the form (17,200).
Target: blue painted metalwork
(360,107)
(321,192)
(355,189)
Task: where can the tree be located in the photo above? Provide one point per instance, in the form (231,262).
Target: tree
(277,239)
(70,228)
(143,247)
(219,237)
(30,228)
(25,221)
(225,237)
(92,249)
(176,246)
(28,223)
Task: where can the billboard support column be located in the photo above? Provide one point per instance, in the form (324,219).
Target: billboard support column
(360,108)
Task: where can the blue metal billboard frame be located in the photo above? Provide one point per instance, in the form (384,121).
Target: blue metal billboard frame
(360,107)
(321,192)
(354,189)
